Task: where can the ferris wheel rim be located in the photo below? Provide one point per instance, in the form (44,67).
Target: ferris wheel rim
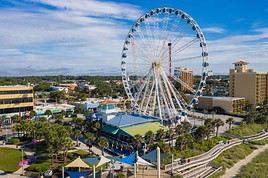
(195,27)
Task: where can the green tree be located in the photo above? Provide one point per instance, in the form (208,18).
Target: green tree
(160,134)
(149,137)
(77,133)
(48,113)
(32,114)
(103,143)
(218,123)
(183,141)
(90,137)
(138,141)
(187,126)
(230,121)
(180,129)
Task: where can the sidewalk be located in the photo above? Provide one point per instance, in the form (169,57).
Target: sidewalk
(233,171)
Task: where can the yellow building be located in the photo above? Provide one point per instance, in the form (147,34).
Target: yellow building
(185,75)
(16,99)
(247,83)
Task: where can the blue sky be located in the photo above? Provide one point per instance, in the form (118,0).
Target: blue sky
(85,37)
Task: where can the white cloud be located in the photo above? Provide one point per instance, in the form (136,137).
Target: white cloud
(213,30)
(96,8)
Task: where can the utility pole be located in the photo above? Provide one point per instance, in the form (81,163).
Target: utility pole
(158,162)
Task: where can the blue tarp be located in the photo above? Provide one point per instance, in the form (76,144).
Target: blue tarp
(91,160)
(131,159)
(74,174)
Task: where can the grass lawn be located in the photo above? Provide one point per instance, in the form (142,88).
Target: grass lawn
(9,159)
(257,168)
(198,148)
(229,157)
(143,128)
(248,129)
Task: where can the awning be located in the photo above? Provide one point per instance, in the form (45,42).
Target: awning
(103,160)
(143,162)
(78,163)
(92,161)
(131,159)
(110,129)
(74,174)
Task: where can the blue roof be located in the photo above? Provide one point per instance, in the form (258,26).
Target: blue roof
(126,119)
(92,105)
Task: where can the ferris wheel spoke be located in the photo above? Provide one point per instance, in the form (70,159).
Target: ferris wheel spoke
(185,46)
(163,94)
(142,86)
(143,52)
(177,79)
(173,92)
(149,99)
(169,95)
(146,46)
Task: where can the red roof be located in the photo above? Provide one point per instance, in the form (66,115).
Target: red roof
(240,62)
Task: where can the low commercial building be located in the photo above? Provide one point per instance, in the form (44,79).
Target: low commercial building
(228,104)
(16,99)
(121,129)
(54,108)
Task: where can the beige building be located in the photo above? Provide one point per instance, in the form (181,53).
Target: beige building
(228,104)
(247,83)
(16,99)
(185,75)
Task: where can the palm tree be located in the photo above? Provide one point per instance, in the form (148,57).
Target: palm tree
(138,140)
(230,121)
(160,134)
(187,126)
(183,141)
(32,114)
(163,146)
(103,143)
(180,129)
(67,144)
(149,137)
(48,113)
(90,137)
(170,134)
(218,123)
(77,133)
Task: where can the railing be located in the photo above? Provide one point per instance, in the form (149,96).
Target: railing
(212,154)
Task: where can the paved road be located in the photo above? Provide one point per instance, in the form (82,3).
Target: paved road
(233,171)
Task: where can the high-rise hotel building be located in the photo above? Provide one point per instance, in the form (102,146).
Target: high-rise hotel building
(16,99)
(185,75)
(247,83)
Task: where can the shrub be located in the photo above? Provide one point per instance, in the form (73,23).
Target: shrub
(40,168)
(14,141)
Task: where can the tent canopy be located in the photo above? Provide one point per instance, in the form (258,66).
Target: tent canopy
(74,174)
(78,163)
(131,159)
(92,161)
(143,162)
(103,160)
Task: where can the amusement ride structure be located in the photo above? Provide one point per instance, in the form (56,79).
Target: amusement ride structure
(159,41)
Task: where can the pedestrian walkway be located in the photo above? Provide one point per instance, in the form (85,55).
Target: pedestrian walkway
(233,171)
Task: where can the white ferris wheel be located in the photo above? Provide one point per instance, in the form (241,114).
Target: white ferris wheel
(158,42)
